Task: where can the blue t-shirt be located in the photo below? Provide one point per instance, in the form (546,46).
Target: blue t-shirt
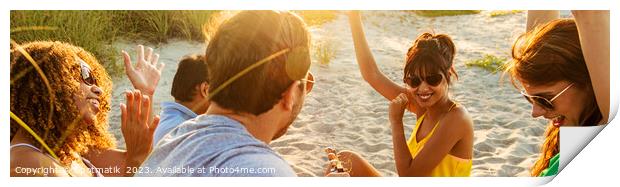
(213,145)
(172,115)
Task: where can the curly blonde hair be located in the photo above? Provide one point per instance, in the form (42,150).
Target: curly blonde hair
(30,99)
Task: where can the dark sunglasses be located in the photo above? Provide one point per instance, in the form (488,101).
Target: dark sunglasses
(309,82)
(433,80)
(541,101)
(87,77)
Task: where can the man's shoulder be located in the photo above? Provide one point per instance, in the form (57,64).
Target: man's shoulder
(221,154)
(173,109)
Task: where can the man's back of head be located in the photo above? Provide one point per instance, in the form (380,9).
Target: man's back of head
(191,72)
(248,38)
(253,100)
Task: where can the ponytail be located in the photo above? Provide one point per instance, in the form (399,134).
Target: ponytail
(548,150)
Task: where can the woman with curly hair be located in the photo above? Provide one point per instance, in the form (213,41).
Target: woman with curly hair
(563,68)
(60,98)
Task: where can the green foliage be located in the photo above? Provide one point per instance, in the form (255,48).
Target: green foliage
(490,63)
(324,51)
(97,30)
(497,13)
(159,26)
(91,30)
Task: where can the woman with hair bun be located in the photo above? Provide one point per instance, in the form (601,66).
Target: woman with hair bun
(441,143)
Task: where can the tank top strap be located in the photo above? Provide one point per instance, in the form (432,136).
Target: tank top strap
(87,162)
(452,107)
(25,145)
(35,148)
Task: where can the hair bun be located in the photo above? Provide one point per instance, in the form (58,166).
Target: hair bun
(426,41)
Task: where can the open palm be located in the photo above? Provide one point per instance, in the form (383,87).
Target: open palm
(145,75)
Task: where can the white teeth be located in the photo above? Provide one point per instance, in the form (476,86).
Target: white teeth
(425,96)
(557,121)
(93,101)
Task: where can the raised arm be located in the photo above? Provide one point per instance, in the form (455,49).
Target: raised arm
(368,66)
(538,17)
(593,27)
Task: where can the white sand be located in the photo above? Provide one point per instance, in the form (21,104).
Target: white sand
(344,112)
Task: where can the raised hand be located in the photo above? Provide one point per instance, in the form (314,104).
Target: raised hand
(136,128)
(397,108)
(145,75)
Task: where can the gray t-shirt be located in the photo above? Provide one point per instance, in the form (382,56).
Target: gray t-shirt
(213,145)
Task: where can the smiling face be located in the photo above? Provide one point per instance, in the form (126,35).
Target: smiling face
(567,107)
(545,61)
(428,68)
(428,89)
(88,102)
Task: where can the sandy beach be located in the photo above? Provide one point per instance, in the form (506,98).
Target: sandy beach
(344,112)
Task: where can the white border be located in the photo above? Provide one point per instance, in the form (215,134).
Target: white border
(595,164)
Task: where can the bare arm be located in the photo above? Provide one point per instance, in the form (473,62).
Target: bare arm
(446,136)
(539,17)
(593,26)
(109,158)
(367,64)
(435,149)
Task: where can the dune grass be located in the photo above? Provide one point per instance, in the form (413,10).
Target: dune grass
(91,30)
(97,30)
(496,13)
(317,17)
(158,26)
(489,63)
(324,51)
(439,13)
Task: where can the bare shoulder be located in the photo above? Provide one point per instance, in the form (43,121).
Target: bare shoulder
(459,120)
(25,161)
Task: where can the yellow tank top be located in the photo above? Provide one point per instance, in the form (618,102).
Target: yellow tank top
(450,166)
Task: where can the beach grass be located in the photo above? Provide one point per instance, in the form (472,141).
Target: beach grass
(158,26)
(97,30)
(496,13)
(489,63)
(317,17)
(439,13)
(91,30)
(324,51)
